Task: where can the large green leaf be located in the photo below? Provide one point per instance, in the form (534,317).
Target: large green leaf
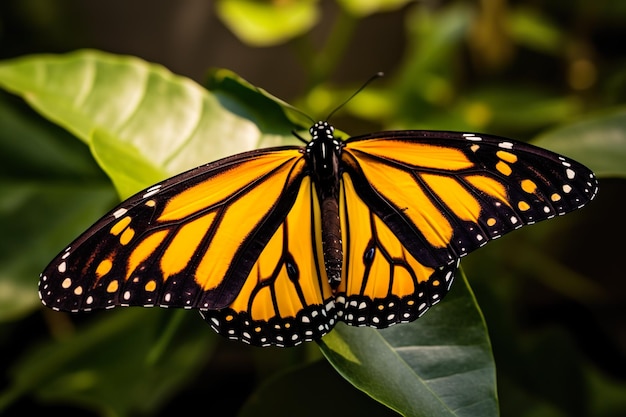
(165,123)
(439,365)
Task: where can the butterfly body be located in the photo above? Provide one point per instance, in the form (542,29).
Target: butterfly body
(275,246)
(323,153)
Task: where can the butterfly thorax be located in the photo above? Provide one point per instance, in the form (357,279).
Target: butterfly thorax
(323,154)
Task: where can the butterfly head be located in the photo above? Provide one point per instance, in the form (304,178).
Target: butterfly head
(322,130)
(323,133)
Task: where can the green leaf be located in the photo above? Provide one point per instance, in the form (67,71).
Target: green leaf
(598,141)
(423,368)
(268,23)
(363,8)
(174,123)
(276,118)
(123,163)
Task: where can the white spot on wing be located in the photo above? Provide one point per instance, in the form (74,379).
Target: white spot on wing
(473,137)
(152,191)
(119,212)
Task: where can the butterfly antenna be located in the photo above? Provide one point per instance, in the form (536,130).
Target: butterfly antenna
(297,110)
(365,84)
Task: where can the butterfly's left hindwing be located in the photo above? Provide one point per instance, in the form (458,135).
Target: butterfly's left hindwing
(190,241)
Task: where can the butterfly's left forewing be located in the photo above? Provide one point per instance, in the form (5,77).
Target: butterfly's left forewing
(190,241)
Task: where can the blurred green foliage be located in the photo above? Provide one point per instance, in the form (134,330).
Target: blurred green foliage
(552,294)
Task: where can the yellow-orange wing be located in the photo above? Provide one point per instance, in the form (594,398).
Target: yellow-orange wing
(414,202)
(222,237)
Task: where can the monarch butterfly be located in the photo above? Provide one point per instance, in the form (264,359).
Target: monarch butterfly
(275,246)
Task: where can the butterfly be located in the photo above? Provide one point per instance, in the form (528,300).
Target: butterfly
(275,246)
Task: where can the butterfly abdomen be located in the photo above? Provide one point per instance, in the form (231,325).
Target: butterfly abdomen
(331,241)
(323,155)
